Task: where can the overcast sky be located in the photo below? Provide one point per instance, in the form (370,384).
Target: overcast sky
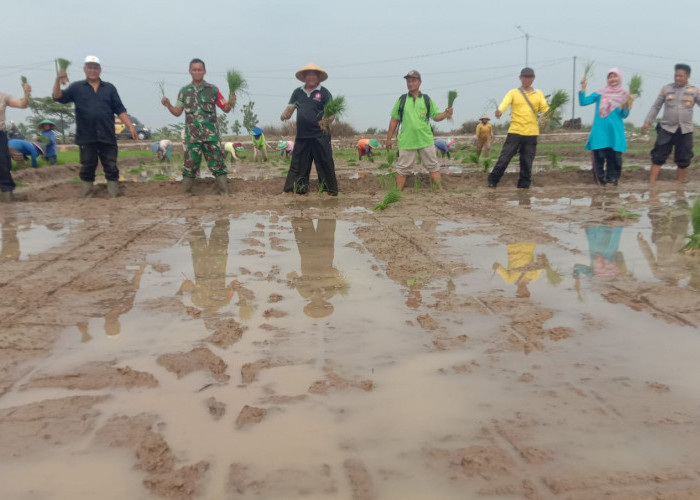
(365,46)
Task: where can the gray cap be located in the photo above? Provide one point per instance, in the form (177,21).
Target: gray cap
(413,74)
(527,72)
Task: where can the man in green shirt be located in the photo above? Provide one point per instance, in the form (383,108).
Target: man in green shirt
(413,112)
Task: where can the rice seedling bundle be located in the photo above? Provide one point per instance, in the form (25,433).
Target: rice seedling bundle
(62,64)
(334,107)
(23,79)
(559,98)
(161,87)
(635,87)
(392,196)
(451,96)
(235,81)
(588,69)
(693,245)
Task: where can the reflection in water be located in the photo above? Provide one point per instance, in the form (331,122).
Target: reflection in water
(319,280)
(117,308)
(523,267)
(10,242)
(209,291)
(606,260)
(669,228)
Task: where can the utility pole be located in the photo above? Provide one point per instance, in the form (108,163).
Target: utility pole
(527,43)
(573,91)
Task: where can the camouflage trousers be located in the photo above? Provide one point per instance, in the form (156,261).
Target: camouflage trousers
(194,151)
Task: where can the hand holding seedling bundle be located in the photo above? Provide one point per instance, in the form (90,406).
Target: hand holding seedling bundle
(451,96)
(333,108)
(236,82)
(61,73)
(635,89)
(25,85)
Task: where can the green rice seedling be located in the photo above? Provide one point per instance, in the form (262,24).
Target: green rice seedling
(62,64)
(473,157)
(161,87)
(554,158)
(488,162)
(236,82)
(321,188)
(635,87)
(626,214)
(334,107)
(694,239)
(558,99)
(588,69)
(553,276)
(387,181)
(384,166)
(23,79)
(416,184)
(392,196)
(159,177)
(451,96)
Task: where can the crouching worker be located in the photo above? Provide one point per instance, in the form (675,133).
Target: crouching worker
(259,144)
(364,147)
(163,149)
(285,148)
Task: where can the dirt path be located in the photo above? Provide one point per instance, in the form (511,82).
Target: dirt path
(470,343)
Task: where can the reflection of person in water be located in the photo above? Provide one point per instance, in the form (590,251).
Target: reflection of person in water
(117,308)
(209,291)
(319,280)
(523,267)
(606,260)
(10,242)
(669,227)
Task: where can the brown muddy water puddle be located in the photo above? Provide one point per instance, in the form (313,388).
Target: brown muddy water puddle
(21,236)
(333,353)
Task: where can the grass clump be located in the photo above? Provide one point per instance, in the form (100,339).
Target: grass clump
(693,244)
(392,196)
(235,81)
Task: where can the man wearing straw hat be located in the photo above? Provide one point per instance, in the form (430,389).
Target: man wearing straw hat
(96,103)
(484,134)
(7,185)
(312,143)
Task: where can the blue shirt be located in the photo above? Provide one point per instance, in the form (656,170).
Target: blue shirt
(608,132)
(26,148)
(51,145)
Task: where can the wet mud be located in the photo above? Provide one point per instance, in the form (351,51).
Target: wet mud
(465,343)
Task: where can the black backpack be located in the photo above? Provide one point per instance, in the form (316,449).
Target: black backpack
(402,104)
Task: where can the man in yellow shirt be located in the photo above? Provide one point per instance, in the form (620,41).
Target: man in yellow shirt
(484,134)
(526,103)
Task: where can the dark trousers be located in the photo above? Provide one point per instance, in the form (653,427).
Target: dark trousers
(613,159)
(106,153)
(317,150)
(6,182)
(525,145)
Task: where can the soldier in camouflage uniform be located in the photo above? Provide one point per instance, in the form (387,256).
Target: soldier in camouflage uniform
(199,100)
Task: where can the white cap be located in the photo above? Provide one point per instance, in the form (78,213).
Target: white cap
(92,59)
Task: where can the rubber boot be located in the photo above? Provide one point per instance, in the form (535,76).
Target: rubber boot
(222,183)
(86,191)
(187,183)
(113,188)
(6,197)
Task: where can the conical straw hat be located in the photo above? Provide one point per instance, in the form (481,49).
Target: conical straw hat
(313,67)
